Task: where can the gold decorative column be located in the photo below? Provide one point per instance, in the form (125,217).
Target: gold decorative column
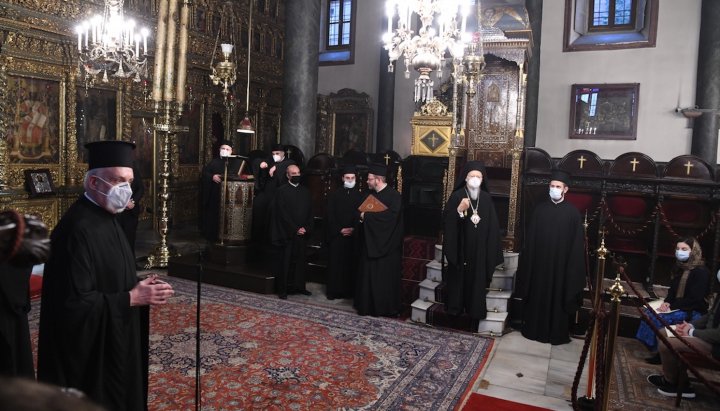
(4,159)
(169,98)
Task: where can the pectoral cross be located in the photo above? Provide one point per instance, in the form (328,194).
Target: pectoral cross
(634,163)
(582,161)
(387,159)
(688,166)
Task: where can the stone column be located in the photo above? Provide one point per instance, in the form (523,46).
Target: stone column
(707,89)
(300,72)
(534,9)
(386,103)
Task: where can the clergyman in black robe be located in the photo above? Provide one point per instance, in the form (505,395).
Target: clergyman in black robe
(471,244)
(551,274)
(291,223)
(90,336)
(129,218)
(377,291)
(342,218)
(210,190)
(270,174)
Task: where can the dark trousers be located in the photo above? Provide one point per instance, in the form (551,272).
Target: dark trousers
(289,263)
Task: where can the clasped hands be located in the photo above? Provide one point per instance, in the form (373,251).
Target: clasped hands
(464,205)
(346,232)
(151,291)
(683,329)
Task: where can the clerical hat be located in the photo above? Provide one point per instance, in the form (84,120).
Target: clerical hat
(377,169)
(560,175)
(278,147)
(226,143)
(349,169)
(110,153)
(474,165)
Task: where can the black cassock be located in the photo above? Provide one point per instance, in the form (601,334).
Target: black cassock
(472,251)
(265,189)
(90,337)
(15,348)
(129,218)
(342,212)
(291,209)
(551,274)
(377,291)
(210,195)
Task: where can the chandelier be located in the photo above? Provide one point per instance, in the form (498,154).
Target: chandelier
(425,51)
(111,45)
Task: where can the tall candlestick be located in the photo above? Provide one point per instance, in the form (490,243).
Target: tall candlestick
(160,51)
(182,54)
(170,52)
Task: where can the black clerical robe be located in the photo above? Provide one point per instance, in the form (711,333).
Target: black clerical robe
(210,193)
(472,251)
(291,209)
(128,219)
(90,336)
(551,274)
(377,290)
(15,348)
(342,212)
(265,189)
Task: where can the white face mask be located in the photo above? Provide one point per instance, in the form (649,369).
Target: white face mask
(349,184)
(225,153)
(474,182)
(718,275)
(277,158)
(682,255)
(556,193)
(117,197)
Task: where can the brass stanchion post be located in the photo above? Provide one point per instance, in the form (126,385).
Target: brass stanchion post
(616,291)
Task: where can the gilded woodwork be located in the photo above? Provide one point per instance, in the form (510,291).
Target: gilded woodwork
(431,130)
(46,209)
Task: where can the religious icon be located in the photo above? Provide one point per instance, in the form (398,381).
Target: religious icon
(39,182)
(33,135)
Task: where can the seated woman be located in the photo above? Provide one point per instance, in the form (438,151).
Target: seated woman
(685,301)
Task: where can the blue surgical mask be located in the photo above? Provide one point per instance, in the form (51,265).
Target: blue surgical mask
(556,193)
(682,255)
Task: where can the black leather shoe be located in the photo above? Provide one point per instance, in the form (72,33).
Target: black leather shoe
(283,296)
(654,360)
(304,292)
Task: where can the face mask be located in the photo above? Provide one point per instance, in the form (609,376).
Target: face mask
(718,275)
(224,153)
(295,179)
(682,255)
(556,193)
(118,195)
(349,184)
(277,158)
(474,182)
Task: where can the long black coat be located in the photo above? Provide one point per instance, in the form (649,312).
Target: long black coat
(15,348)
(342,212)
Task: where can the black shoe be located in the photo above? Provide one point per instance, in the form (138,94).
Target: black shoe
(283,296)
(304,292)
(671,391)
(657,380)
(654,360)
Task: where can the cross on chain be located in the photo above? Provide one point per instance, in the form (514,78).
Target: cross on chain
(634,163)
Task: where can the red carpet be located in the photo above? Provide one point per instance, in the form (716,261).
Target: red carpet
(478,402)
(35,286)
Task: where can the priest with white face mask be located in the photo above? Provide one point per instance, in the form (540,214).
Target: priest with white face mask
(90,319)
(210,189)
(471,243)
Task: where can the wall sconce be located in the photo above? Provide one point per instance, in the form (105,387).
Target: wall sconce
(695,112)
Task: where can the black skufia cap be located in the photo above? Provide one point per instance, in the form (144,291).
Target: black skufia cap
(226,143)
(111,153)
(277,147)
(560,175)
(349,169)
(377,169)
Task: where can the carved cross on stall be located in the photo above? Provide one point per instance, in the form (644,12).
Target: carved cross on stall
(387,159)
(288,151)
(688,165)
(582,161)
(634,163)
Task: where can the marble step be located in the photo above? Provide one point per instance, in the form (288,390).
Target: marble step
(493,324)
(497,301)
(434,271)
(502,281)
(419,310)
(427,290)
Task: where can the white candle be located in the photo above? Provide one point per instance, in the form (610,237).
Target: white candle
(79,33)
(137,45)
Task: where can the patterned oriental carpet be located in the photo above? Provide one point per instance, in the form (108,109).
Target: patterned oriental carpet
(262,353)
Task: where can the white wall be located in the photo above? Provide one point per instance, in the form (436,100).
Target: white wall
(666,74)
(363,76)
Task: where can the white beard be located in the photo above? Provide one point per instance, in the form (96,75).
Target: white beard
(473,193)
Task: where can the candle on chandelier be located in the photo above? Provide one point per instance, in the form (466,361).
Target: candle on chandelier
(78,29)
(145,33)
(137,45)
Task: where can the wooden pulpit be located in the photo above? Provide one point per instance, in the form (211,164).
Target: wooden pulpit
(236,210)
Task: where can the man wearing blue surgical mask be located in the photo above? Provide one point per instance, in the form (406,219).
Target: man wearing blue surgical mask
(551,274)
(91,337)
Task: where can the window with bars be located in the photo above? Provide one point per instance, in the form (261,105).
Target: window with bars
(339,23)
(609,15)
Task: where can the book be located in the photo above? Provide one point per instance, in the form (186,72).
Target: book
(655,304)
(668,332)
(372,205)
